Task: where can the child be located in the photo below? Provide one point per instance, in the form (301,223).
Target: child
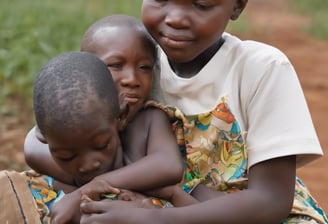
(131,59)
(247,125)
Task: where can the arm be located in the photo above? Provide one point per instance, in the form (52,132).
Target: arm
(38,157)
(154,157)
(151,134)
(268,199)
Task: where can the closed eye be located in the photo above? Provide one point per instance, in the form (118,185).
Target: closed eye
(203,5)
(64,158)
(103,147)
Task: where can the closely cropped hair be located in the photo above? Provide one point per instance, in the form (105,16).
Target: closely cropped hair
(119,20)
(68,86)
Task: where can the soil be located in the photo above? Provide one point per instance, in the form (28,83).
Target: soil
(274,23)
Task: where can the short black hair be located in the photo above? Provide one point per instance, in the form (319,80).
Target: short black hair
(117,20)
(68,86)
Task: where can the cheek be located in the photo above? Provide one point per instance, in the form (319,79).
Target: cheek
(68,167)
(150,17)
(112,155)
(146,86)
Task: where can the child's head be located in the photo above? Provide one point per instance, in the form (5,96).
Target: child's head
(76,110)
(129,52)
(186,28)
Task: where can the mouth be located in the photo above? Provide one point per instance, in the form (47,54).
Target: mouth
(131,98)
(174,41)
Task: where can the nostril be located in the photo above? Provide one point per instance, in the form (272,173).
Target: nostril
(96,164)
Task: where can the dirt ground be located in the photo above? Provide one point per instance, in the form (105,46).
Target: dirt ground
(272,23)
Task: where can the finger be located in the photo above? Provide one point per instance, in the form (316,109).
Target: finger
(93,207)
(85,198)
(94,218)
(113,190)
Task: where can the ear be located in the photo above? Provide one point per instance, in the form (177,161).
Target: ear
(123,116)
(238,8)
(39,135)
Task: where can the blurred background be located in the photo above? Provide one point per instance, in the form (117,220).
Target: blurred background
(32,32)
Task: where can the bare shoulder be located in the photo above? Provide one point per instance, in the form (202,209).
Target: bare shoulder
(142,130)
(150,115)
(145,119)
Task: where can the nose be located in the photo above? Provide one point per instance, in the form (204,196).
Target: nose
(130,79)
(177,17)
(89,166)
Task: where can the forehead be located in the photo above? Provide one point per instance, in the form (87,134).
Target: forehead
(116,36)
(81,130)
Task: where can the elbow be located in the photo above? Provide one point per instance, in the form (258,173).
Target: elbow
(28,152)
(179,172)
(274,208)
(175,171)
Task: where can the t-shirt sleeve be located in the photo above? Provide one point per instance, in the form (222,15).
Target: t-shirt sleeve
(279,120)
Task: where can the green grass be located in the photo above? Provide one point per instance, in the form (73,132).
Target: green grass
(33,31)
(318,11)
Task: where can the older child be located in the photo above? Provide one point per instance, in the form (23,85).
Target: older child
(247,124)
(131,60)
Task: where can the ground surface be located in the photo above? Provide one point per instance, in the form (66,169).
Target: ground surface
(277,26)
(273,23)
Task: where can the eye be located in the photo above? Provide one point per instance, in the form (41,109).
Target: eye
(203,5)
(146,68)
(116,66)
(64,157)
(103,146)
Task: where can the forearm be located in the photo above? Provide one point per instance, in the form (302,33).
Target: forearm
(67,188)
(241,207)
(269,197)
(174,194)
(203,193)
(144,174)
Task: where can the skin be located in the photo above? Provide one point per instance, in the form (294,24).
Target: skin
(186,32)
(131,64)
(131,67)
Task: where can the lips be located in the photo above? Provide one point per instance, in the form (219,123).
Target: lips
(176,41)
(131,98)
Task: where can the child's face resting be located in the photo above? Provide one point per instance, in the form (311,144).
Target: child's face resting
(186,28)
(87,150)
(128,56)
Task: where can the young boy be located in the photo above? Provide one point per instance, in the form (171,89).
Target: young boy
(131,59)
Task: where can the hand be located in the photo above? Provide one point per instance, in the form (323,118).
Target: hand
(97,187)
(66,210)
(117,211)
(126,195)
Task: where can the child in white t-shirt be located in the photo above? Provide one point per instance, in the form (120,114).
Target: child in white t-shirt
(247,126)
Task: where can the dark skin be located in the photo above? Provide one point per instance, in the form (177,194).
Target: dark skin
(265,194)
(132,73)
(187,34)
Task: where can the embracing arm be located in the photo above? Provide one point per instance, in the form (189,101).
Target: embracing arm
(38,157)
(268,199)
(155,160)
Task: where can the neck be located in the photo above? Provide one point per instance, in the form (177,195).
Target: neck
(191,68)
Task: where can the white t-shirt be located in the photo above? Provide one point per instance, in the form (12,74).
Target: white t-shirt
(262,91)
